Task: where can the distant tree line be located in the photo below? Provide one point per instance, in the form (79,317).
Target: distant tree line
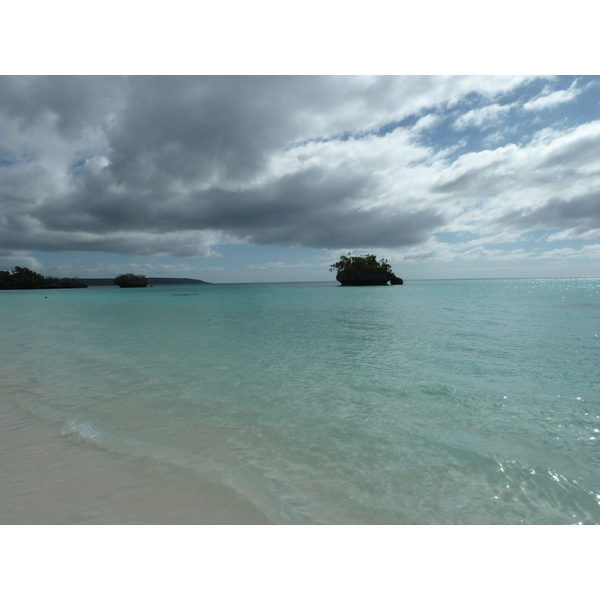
(368,263)
(22,278)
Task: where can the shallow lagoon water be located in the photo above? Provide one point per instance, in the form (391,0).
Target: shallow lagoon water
(436,402)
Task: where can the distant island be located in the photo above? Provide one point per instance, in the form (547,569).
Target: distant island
(22,278)
(151,281)
(364,270)
(129,280)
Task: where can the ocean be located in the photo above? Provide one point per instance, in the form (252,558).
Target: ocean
(435,402)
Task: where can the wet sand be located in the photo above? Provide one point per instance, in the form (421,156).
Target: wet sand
(46,478)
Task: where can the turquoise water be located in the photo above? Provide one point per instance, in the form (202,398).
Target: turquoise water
(436,402)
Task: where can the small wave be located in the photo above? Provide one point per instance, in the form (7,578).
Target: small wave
(81,431)
(75,426)
(215,466)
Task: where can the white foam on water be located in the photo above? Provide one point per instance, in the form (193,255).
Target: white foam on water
(82,431)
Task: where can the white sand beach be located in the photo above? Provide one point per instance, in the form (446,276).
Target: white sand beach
(50,479)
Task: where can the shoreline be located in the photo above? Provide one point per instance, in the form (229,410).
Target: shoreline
(51,479)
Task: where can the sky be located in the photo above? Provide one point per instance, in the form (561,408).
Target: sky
(271,178)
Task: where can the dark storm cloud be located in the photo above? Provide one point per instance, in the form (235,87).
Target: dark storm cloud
(156,140)
(313,208)
(580,214)
(71,103)
(318,211)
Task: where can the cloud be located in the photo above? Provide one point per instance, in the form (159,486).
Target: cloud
(21,259)
(550,99)
(573,233)
(484,117)
(174,166)
(552,182)
(589,252)
(581,215)
(426,122)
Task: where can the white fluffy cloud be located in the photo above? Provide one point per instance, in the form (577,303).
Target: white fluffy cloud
(549,98)
(486,116)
